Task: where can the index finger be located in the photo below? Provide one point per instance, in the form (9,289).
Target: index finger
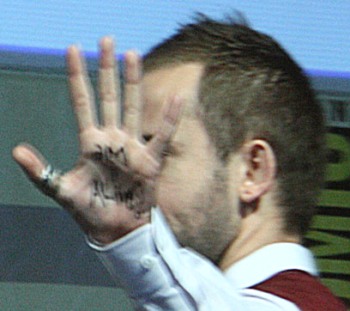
(81,90)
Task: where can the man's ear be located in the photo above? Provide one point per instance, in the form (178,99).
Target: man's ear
(259,170)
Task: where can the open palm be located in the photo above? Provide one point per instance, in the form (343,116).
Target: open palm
(111,189)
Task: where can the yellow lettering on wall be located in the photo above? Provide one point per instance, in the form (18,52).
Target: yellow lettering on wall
(332,244)
(341,170)
(334,266)
(335,198)
(331,223)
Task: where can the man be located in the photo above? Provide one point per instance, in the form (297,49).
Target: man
(222,140)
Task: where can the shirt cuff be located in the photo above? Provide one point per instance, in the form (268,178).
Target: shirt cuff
(135,264)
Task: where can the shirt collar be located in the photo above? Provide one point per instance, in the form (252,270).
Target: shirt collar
(268,261)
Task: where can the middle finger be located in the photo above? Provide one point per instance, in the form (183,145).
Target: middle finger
(109,84)
(133,101)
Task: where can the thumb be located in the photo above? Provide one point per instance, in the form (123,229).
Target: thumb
(36,168)
(30,160)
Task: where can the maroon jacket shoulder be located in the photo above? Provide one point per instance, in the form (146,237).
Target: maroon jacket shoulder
(303,289)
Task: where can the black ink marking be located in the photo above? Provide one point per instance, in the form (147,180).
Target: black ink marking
(120,156)
(108,155)
(99,191)
(119,186)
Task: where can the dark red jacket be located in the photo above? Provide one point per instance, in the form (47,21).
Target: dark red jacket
(303,289)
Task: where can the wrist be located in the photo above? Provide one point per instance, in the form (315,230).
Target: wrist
(105,237)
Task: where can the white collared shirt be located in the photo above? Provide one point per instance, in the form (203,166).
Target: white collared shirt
(159,274)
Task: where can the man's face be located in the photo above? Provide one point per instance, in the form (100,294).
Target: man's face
(192,188)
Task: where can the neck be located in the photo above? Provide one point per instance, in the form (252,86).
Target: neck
(255,233)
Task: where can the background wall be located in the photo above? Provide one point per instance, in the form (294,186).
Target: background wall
(44,262)
(315,32)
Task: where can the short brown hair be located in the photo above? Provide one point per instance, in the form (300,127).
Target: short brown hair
(252,88)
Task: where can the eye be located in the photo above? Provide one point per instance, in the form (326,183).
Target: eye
(147,138)
(167,150)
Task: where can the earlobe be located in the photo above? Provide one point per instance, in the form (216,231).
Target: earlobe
(259,170)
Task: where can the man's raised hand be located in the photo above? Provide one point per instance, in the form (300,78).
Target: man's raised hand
(111,189)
